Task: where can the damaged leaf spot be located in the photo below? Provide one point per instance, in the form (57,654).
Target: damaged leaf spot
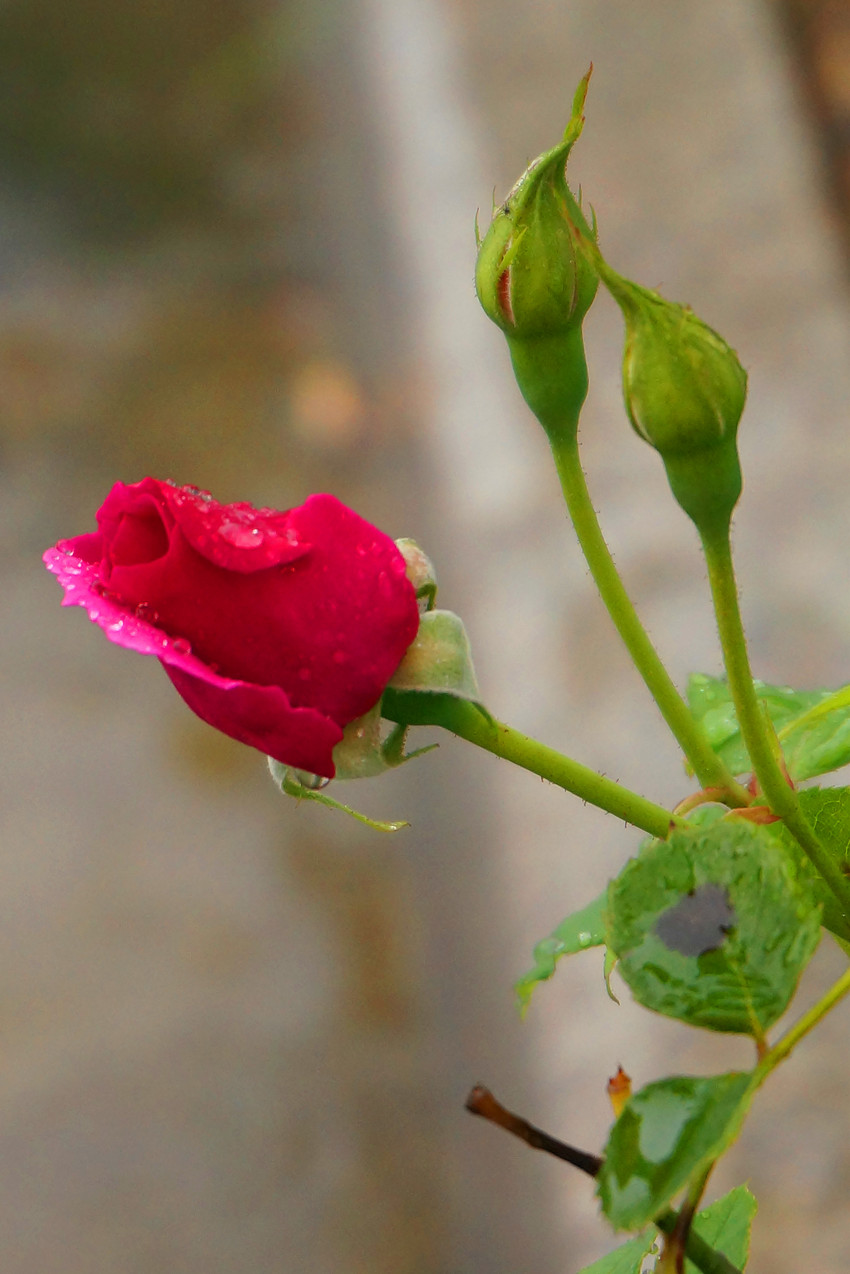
(698,923)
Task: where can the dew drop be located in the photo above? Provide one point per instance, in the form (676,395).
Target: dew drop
(146,613)
(66,549)
(240,536)
(584,938)
(115,626)
(181,646)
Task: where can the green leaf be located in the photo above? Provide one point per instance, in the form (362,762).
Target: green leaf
(711,704)
(818,740)
(828,811)
(626,1259)
(813,726)
(725,1225)
(580,931)
(714,927)
(668,1132)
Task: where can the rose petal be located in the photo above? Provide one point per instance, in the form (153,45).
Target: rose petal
(262,717)
(236,537)
(133,627)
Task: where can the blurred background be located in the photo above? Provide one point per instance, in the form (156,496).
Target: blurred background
(236,249)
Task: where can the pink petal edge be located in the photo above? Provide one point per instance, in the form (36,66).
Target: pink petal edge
(260,716)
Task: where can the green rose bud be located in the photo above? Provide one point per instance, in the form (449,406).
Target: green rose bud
(684,390)
(534,282)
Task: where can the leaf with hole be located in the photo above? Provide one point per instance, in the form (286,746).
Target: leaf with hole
(828,811)
(668,1132)
(714,926)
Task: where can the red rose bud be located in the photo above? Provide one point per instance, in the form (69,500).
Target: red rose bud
(534,283)
(684,390)
(278,628)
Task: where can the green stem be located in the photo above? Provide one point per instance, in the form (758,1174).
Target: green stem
(677,1242)
(466,720)
(709,769)
(758,739)
(807,1023)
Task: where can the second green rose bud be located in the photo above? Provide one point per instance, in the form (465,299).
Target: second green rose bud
(684,391)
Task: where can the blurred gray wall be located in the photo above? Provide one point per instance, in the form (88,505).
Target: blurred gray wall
(239,1033)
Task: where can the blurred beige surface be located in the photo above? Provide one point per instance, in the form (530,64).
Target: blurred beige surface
(238,1033)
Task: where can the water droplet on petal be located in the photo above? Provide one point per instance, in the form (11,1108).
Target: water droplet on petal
(241,536)
(66,549)
(115,626)
(181,646)
(584,938)
(146,613)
